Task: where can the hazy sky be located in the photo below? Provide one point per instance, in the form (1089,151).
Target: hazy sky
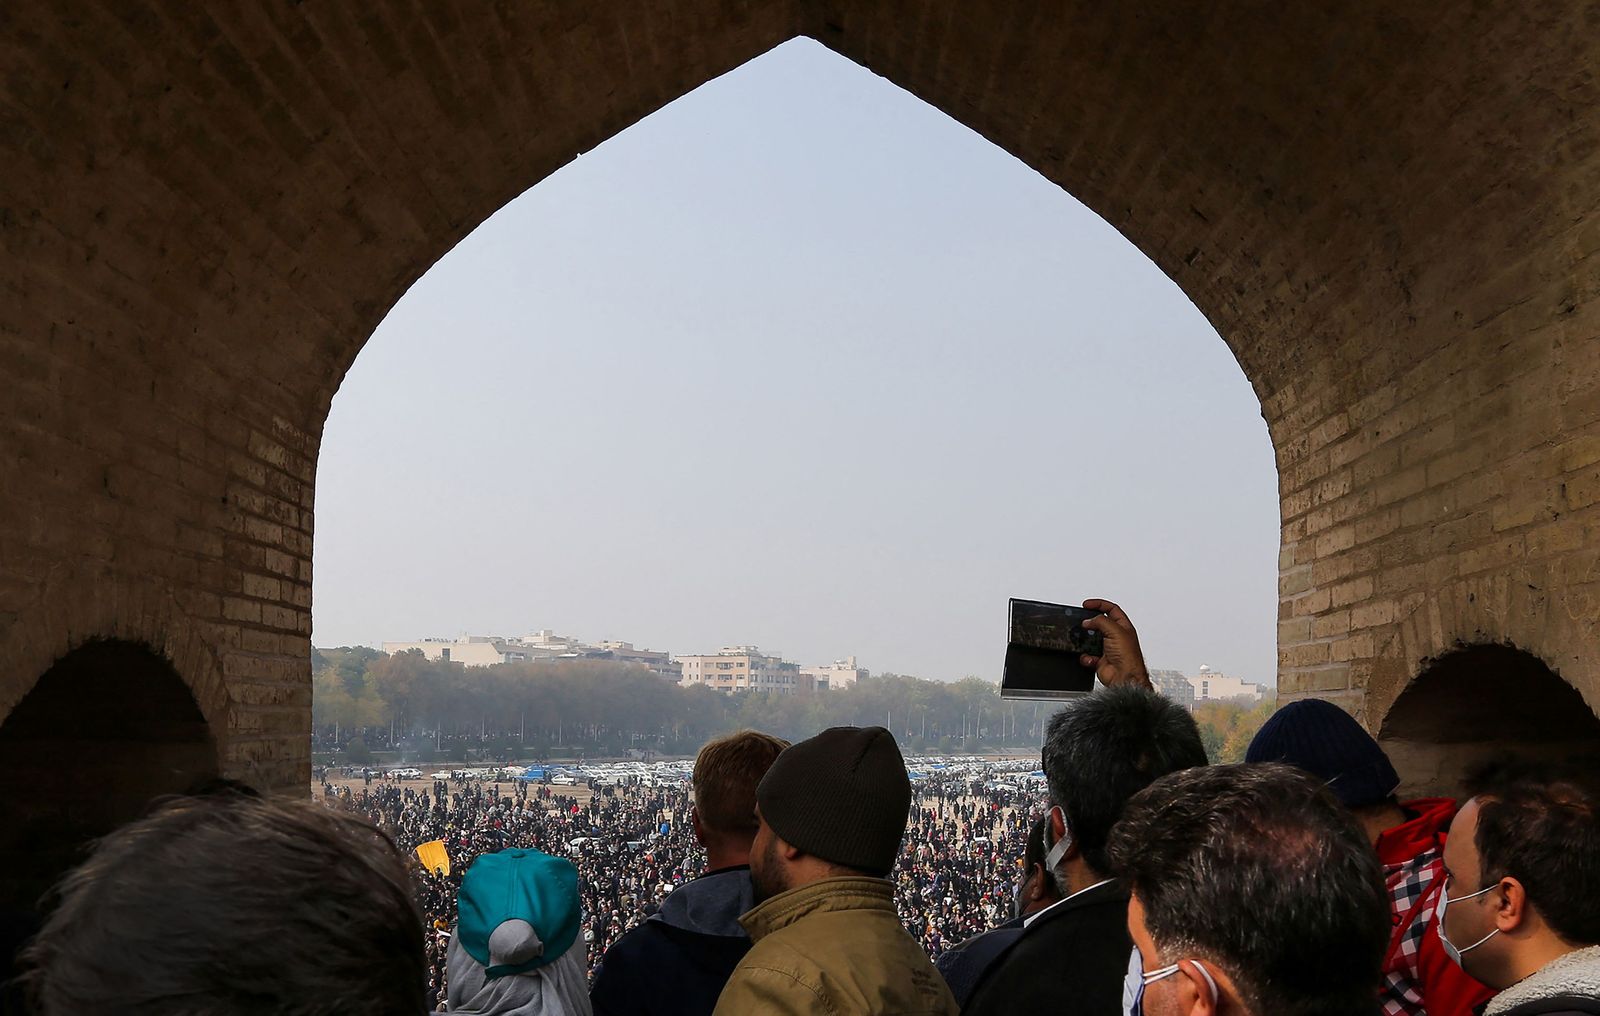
(800,362)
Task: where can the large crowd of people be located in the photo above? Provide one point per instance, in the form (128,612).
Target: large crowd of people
(811,879)
(628,844)
(961,863)
(632,845)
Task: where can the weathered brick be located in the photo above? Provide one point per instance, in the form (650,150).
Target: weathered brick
(1331,624)
(1352,591)
(197,248)
(1372,613)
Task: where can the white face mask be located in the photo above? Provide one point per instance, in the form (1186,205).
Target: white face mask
(1137,980)
(1444,906)
(1052,857)
(1133,984)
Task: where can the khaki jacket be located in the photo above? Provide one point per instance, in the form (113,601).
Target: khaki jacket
(832,948)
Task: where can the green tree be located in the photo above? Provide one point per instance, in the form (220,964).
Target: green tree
(561,706)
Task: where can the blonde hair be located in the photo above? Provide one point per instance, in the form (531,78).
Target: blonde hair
(725,776)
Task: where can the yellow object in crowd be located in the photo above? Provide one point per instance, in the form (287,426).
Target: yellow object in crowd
(434,857)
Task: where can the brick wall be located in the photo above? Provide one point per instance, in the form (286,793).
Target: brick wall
(1388,213)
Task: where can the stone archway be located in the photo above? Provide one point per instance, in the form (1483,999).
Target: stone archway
(104,731)
(1476,703)
(1387,213)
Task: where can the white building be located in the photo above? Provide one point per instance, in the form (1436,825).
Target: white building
(1211,686)
(1173,685)
(470,650)
(550,645)
(833,676)
(659,664)
(743,668)
(489,650)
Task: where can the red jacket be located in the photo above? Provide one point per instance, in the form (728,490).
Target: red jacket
(1418,978)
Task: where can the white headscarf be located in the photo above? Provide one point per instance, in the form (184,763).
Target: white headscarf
(559,988)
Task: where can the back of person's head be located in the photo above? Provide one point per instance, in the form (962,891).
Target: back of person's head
(1038,888)
(842,796)
(1331,745)
(515,948)
(1103,748)
(228,904)
(726,774)
(1540,824)
(1260,872)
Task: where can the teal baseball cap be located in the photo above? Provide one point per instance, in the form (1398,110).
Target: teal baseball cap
(518,910)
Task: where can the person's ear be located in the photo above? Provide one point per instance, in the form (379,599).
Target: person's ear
(1058,829)
(1197,994)
(1512,911)
(787,850)
(1037,883)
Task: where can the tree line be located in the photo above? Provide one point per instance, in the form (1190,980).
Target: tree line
(364,701)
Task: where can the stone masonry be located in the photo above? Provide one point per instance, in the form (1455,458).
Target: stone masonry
(1389,212)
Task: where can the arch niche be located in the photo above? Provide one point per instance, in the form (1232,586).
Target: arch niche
(1387,213)
(106,730)
(1481,703)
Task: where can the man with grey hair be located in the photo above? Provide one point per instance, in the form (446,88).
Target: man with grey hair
(1099,751)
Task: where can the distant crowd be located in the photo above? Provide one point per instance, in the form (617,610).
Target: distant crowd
(633,845)
(629,846)
(809,878)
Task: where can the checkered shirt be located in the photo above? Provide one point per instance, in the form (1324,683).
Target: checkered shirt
(1413,900)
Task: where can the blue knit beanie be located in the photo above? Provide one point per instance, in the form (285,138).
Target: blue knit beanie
(1328,743)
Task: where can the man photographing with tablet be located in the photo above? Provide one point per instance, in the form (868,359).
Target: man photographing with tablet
(1055,651)
(1101,748)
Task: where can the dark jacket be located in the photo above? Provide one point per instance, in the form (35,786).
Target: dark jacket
(1566,986)
(1071,960)
(676,963)
(963,966)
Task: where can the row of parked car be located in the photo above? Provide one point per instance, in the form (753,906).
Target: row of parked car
(991,773)
(598,774)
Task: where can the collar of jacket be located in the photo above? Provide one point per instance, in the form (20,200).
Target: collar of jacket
(1105,888)
(1424,830)
(850,892)
(1573,975)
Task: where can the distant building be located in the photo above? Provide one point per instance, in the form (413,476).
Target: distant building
(660,664)
(489,650)
(549,645)
(1173,685)
(469,650)
(1210,686)
(743,668)
(833,676)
